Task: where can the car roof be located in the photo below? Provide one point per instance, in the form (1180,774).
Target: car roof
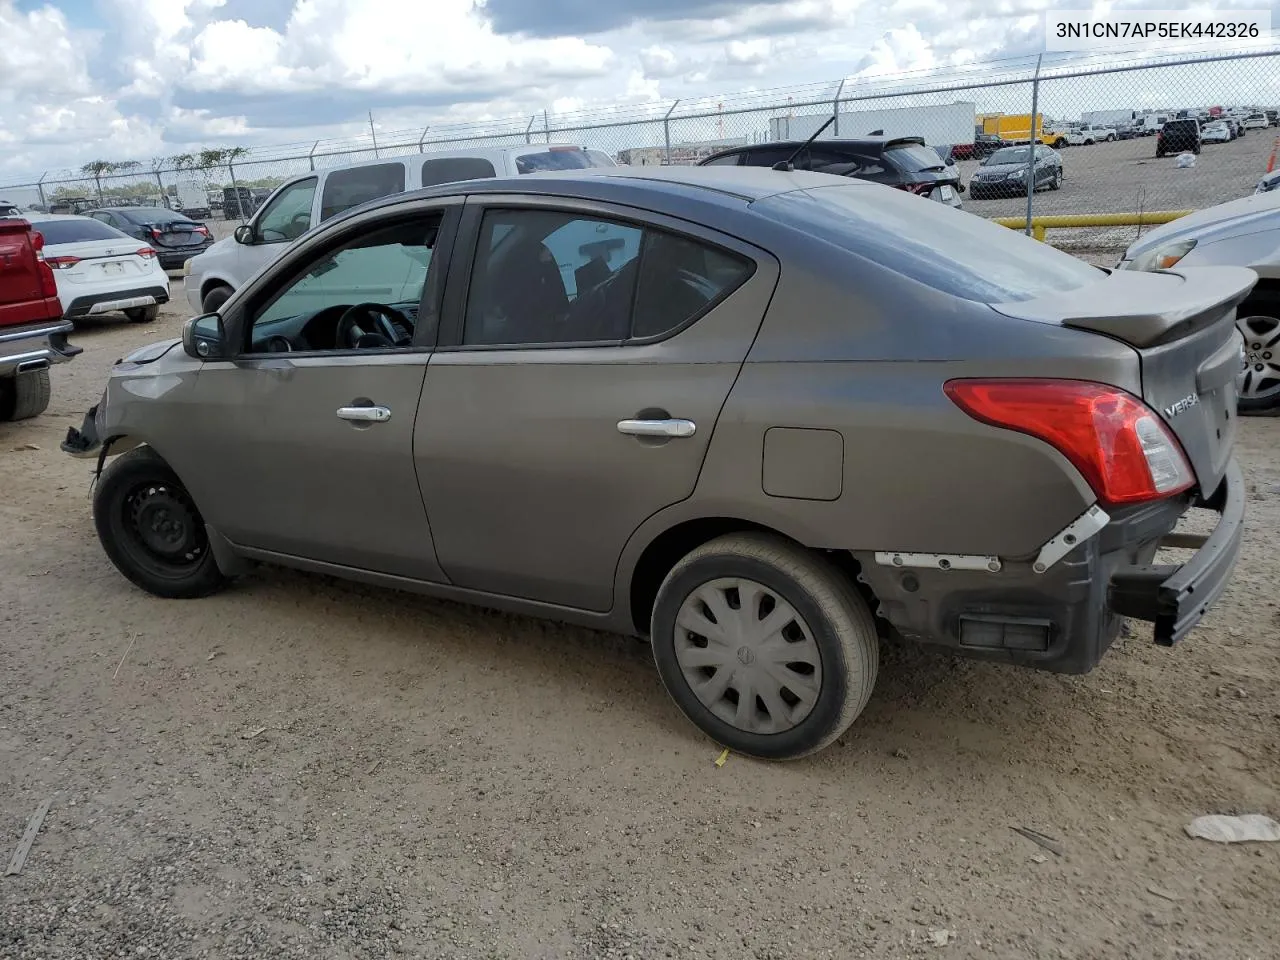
(674,190)
(410,158)
(58,216)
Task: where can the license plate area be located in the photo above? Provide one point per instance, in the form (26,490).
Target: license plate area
(113,269)
(944,194)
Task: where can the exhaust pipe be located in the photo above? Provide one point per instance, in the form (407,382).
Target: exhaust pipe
(29,366)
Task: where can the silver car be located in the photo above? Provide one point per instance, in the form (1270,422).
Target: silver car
(1245,233)
(766,419)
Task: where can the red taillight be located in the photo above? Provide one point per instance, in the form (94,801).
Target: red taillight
(1116,441)
(62,263)
(37,241)
(146,252)
(48,285)
(204,230)
(920,189)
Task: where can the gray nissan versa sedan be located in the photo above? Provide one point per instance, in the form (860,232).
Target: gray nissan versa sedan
(763,418)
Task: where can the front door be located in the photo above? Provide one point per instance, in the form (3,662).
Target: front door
(307,437)
(578,392)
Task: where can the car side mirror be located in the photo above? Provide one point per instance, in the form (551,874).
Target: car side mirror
(204,338)
(244,234)
(950,161)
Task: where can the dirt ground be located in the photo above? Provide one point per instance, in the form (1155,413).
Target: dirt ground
(300,768)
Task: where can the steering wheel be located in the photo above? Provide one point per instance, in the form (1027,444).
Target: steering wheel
(352,333)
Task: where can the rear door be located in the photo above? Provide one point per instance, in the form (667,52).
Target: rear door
(584,360)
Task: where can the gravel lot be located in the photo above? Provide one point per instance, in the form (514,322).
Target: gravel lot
(430,780)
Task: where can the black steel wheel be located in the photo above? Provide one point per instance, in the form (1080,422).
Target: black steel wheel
(151,529)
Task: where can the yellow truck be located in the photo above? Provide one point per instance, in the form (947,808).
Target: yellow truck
(1016,128)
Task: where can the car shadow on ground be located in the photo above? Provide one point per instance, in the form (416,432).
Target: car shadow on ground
(944,711)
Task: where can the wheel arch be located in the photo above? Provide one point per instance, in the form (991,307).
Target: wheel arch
(665,548)
(209,281)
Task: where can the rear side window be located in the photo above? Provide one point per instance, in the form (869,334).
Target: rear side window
(451,169)
(958,254)
(561,160)
(344,189)
(546,277)
(76,231)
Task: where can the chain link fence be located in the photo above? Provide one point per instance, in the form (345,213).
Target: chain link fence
(1100,120)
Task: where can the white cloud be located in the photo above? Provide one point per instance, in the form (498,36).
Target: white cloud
(169,76)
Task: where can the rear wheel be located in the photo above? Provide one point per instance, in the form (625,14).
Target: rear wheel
(24,395)
(1258,320)
(143,314)
(215,298)
(151,529)
(764,645)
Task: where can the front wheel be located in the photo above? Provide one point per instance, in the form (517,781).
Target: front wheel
(151,529)
(1059,144)
(215,298)
(1056,182)
(764,645)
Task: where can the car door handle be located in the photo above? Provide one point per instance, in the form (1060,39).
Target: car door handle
(365,414)
(657,428)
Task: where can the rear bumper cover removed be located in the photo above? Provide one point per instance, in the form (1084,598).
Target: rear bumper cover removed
(1065,619)
(1175,596)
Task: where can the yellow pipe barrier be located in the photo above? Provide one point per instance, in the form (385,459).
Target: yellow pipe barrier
(1039,225)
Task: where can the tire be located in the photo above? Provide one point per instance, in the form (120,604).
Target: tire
(143,314)
(136,503)
(215,298)
(1088,143)
(1056,182)
(24,395)
(1059,144)
(830,624)
(1253,319)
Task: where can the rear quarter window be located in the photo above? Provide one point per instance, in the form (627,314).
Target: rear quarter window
(452,169)
(344,189)
(957,253)
(544,160)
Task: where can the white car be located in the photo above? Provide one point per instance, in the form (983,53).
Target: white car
(1215,132)
(100,270)
(309,199)
(1076,136)
(1255,121)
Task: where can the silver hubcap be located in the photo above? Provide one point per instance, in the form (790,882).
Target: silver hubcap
(1262,356)
(748,655)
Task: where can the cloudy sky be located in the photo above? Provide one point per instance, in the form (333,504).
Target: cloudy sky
(116,79)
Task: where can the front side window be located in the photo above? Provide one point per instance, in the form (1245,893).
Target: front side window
(548,277)
(288,216)
(729,160)
(344,189)
(364,294)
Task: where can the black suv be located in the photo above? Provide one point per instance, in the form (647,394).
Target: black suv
(1178,136)
(902,162)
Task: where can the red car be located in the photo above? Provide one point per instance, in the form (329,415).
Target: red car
(33,334)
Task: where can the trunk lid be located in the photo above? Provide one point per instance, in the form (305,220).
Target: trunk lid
(100,260)
(176,234)
(1181,323)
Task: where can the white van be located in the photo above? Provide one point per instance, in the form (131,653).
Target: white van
(306,200)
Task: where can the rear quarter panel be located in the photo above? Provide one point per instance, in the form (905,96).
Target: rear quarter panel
(866,354)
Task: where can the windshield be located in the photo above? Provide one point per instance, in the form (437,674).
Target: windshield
(76,230)
(1009,155)
(562,160)
(914,157)
(957,253)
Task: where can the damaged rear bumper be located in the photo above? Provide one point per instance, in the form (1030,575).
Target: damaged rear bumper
(1175,596)
(1065,618)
